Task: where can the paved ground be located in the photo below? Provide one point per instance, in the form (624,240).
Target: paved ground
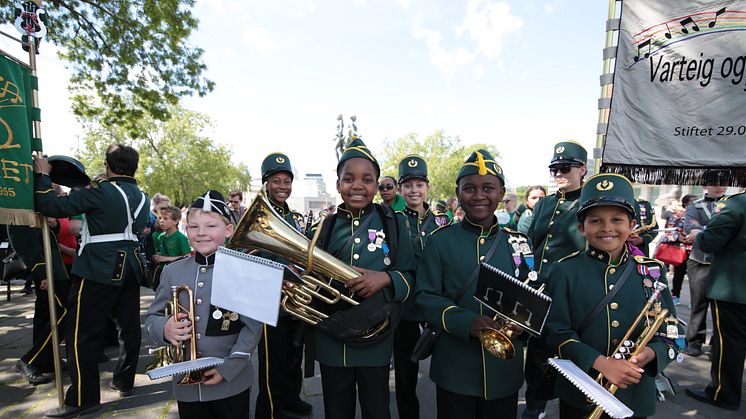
(152,399)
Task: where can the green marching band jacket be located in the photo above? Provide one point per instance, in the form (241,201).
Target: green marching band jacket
(577,284)
(554,228)
(370,249)
(295,219)
(419,232)
(459,364)
(645,217)
(109,233)
(725,237)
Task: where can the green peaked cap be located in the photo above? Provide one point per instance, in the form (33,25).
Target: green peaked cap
(480,162)
(276,162)
(607,189)
(568,152)
(412,167)
(358,149)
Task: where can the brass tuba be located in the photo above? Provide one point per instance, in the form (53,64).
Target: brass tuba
(261,228)
(653,316)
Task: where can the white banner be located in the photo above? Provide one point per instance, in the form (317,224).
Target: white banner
(678,109)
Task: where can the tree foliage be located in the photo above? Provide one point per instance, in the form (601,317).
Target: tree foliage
(443,154)
(129,59)
(175,158)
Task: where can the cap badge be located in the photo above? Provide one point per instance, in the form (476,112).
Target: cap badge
(604,185)
(559,149)
(412,163)
(280,159)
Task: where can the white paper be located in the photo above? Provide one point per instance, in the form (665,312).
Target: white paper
(3,245)
(248,285)
(594,391)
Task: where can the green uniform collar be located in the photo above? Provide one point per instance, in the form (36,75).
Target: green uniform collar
(572,195)
(478,229)
(346,214)
(604,257)
(283,209)
(414,213)
(203,260)
(122,178)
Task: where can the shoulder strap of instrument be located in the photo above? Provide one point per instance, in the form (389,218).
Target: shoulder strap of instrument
(605,300)
(391,230)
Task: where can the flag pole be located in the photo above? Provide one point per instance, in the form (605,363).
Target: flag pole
(606,91)
(36,133)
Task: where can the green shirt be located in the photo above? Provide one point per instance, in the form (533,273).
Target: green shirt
(175,244)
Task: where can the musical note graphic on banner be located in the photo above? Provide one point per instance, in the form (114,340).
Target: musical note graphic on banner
(640,47)
(715,21)
(687,21)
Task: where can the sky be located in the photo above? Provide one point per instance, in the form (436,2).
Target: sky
(522,75)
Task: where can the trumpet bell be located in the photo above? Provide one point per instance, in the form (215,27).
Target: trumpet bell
(497,343)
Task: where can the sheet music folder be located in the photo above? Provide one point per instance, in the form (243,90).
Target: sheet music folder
(247,284)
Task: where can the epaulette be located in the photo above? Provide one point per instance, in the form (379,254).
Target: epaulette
(571,255)
(643,260)
(514,232)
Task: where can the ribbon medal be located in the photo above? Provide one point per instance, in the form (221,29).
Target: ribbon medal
(372,240)
(386,259)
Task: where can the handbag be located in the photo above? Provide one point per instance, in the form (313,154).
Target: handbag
(670,254)
(424,346)
(13,267)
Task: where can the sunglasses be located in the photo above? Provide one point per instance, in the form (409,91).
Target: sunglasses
(561,169)
(505,201)
(386,187)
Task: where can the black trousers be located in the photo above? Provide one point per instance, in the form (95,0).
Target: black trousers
(341,385)
(229,408)
(458,406)
(568,411)
(537,354)
(728,352)
(280,376)
(406,372)
(91,306)
(41,353)
(678,279)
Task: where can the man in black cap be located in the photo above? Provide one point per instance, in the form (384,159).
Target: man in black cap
(106,274)
(554,234)
(280,376)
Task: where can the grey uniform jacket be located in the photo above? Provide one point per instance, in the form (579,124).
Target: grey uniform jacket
(697,216)
(236,344)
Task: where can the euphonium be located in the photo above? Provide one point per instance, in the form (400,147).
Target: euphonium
(261,228)
(628,349)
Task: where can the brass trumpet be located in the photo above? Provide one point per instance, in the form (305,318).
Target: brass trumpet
(627,349)
(172,354)
(261,228)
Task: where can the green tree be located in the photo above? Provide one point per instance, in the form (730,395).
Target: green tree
(129,59)
(175,158)
(444,155)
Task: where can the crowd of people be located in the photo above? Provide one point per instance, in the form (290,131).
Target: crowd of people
(586,246)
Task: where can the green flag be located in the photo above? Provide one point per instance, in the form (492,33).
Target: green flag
(16,167)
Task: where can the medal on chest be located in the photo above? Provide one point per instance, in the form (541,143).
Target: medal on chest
(227,317)
(522,254)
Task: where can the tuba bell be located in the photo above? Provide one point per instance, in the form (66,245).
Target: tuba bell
(261,228)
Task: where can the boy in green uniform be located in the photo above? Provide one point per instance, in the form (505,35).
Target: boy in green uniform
(646,222)
(375,241)
(725,238)
(580,281)
(280,377)
(470,382)
(554,234)
(421,221)
(170,243)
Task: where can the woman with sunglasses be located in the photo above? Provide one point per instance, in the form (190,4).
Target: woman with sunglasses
(389,194)
(554,233)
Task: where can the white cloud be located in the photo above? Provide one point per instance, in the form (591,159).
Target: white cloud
(222,7)
(258,39)
(548,8)
(479,37)
(404,4)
